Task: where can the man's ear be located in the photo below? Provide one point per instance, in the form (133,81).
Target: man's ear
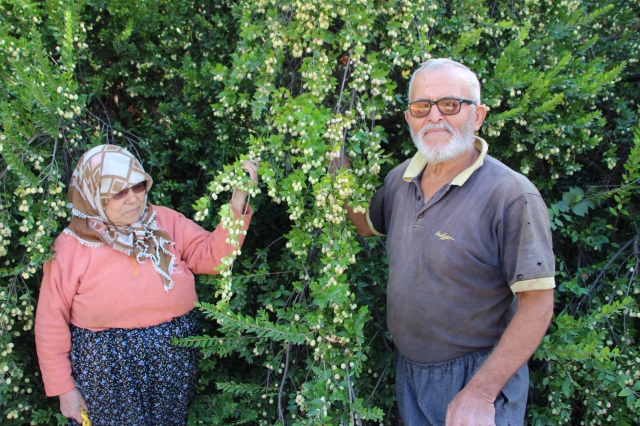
(406,116)
(480,114)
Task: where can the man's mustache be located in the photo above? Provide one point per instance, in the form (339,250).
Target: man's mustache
(437,126)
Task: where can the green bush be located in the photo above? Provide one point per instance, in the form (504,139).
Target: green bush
(296,334)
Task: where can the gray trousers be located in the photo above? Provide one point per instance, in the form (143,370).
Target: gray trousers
(424,391)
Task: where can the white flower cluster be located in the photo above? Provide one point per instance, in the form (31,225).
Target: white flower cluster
(201,215)
(316,75)
(337,269)
(269,62)
(334,212)
(296,212)
(25,226)
(235,179)
(335,131)
(73,109)
(234,228)
(5,234)
(361,73)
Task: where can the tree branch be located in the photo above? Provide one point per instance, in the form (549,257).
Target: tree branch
(602,272)
(284,377)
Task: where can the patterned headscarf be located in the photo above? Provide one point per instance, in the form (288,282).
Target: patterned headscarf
(101,173)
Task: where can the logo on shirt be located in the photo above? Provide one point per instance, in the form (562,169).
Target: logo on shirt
(443,236)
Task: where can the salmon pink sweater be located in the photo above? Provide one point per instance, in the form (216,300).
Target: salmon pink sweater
(97,287)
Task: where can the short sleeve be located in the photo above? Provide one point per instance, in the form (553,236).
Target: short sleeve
(375,214)
(526,248)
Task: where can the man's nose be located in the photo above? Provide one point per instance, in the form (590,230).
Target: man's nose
(434,115)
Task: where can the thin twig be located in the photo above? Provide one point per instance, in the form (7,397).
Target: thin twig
(376,314)
(306,284)
(379,380)
(344,79)
(34,137)
(615,288)
(613,332)
(566,369)
(262,275)
(352,396)
(603,271)
(284,377)
(373,338)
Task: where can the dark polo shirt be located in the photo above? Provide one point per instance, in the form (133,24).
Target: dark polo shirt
(456,262)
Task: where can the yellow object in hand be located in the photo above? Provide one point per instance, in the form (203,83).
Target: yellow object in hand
(85,417)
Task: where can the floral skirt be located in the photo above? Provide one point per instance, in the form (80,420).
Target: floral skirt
(136,377)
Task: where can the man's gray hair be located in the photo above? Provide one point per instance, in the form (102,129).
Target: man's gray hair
(437,63)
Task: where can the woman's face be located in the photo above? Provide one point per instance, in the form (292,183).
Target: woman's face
(127,210)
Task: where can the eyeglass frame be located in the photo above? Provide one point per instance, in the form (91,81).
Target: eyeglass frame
(125,192)
(431,103)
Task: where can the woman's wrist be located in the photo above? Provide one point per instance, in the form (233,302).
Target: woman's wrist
(238,201)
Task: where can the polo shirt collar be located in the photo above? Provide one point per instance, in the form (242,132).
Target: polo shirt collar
(418,163)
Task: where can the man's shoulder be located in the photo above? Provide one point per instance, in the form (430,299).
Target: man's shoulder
(499,175)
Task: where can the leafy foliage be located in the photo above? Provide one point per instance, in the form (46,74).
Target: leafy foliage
(296,334)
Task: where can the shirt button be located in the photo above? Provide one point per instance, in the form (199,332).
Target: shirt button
(421,215)
(419,197)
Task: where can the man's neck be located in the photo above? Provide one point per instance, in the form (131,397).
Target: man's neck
(450,169)
(435,176)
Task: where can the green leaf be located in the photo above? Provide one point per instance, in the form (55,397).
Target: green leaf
(582,207)
(625,392)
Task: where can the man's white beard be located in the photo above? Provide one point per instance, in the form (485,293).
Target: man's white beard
(459,143)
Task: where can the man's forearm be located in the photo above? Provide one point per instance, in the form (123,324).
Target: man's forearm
(358,219)
(360,222)
(518,343)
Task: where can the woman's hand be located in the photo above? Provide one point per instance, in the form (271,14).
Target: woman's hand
(70,404)
(239,197)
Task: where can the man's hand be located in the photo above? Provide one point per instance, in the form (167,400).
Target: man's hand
(358,219)
(70,404)
(336,163)
(474,404)
(470,408)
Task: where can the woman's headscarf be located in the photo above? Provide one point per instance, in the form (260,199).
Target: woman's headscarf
(101,173)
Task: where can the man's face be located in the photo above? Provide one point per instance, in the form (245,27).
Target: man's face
(439,137)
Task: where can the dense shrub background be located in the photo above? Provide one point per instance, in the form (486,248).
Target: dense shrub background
(297,333)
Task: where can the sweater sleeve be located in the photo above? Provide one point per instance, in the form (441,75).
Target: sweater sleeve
(201,250)
(53,338)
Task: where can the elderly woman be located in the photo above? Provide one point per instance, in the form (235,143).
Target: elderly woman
(118,290)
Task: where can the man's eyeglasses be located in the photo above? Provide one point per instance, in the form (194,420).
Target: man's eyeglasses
(137,188)
(446,106)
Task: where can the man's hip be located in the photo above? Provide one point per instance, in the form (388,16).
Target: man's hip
(424,391)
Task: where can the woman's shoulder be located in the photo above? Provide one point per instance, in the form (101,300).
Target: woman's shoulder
(167,216)
(162,211)
(73,241)
(170,220)
(67,240)
(70,246)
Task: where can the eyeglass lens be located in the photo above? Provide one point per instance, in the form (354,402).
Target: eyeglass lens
(137,188)
(446,106)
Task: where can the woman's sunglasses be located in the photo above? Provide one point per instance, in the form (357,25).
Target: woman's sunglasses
(137,188)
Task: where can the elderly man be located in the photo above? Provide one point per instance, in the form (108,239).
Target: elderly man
(466,235)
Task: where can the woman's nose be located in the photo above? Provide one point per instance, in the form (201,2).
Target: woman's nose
(130,197)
